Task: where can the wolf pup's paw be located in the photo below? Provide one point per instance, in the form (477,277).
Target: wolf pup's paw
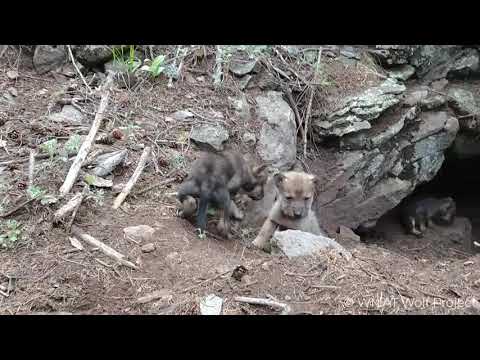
(201,234)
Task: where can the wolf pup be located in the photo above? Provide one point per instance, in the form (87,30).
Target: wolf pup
(292,208)
(417,215)
(214,179)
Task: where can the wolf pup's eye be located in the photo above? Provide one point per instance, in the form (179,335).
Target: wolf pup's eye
(289,198)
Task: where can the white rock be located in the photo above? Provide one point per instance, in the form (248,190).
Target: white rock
(211,305)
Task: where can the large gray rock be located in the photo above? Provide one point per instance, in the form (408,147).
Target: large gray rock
(465,104)
(210,136)
(357,112)
(394,54)
(278,141)
(376,177)
(49,57)
(402,72)
(434,62)
(296,243)
(94,55)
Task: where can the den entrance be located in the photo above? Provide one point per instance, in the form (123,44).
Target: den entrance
(458,178)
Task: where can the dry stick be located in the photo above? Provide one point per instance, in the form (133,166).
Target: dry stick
(70,206)
(293,104)
(138,171)
(309,108)
(87,144)
(31,167)
(77,69)
(72,219)
(257,301)
(107,250)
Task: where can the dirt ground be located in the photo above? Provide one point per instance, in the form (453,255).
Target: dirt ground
(393,276)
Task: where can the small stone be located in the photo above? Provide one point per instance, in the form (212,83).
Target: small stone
(287,298)
(182,115)
(139,233)
(200,78)
(476,283)
(12,74)
(242,67)
(266,265)
(210,136)
(13,91)
(147,248)
(467,263)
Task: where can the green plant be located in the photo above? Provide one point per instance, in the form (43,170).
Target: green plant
(177,161)
(156,67)
(35,192)
(98,196)
(129,61)
(73,144)
(50,147)
(9,233)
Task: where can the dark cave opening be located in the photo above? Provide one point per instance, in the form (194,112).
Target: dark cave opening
(458,178)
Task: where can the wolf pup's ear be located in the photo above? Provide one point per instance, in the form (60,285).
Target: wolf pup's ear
(278,180)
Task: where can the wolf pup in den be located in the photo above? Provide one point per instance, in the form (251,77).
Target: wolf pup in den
(292,208)
(214,179)
(417,215)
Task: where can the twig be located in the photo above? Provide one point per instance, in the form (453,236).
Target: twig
(77,69)
(31,167)
(70,206)
(266,302)
(107,250)
(131,182)
(161,183)
(293,104)
(87,144)
(18,207)
(309,108)
(70,223)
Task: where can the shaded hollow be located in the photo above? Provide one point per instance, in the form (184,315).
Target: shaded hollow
(458,178)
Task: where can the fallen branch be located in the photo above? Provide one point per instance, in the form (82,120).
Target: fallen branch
(31,167)
(70,206)
(266,302)
(75,210)
(77,69)
(136,174)
(87,144)
(107,250)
